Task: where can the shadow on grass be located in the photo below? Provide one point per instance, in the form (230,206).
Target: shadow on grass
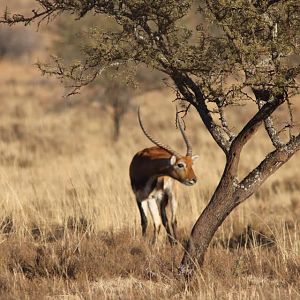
(248,238)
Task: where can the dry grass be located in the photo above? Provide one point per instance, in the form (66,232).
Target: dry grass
(70,226)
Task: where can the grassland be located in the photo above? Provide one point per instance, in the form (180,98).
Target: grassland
(69,225)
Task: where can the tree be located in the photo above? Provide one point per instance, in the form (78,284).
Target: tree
(250,40)
(118,96)
(113,91)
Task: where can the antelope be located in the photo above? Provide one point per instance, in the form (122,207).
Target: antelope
(153,172)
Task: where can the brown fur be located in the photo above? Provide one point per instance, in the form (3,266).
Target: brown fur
(155,162)
(150,172)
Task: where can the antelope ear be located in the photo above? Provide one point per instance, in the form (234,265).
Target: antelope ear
(173,160)
(195,157)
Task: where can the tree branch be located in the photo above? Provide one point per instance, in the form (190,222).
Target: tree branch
(262,97)
(192,92)
(224,124)
(266,168)
(248,131)
(41,16)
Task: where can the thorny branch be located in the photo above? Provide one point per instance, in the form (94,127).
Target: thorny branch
(49,10)
(79,75)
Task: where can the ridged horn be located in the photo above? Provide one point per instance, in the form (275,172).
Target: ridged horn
(154,141)
(189,150)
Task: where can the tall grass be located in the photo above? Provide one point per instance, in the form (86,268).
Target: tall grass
(70,225)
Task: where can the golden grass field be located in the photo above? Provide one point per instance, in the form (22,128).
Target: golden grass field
(69,224)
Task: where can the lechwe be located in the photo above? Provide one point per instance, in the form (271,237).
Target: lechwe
(153,172)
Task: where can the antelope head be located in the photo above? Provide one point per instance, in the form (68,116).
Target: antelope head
(180,166)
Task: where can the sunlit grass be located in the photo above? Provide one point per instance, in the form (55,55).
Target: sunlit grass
(70,224)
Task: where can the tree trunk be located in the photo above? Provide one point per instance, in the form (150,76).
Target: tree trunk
(220,206)
(228,195)
(117,120)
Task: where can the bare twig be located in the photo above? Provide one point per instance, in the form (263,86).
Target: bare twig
(224,123)
(185,110)
(269,126)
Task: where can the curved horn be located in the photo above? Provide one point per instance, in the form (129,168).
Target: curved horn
(189,150)
(157,143)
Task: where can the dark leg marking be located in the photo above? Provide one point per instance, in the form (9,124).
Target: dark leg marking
(164,218)
(174,227)
(144,221)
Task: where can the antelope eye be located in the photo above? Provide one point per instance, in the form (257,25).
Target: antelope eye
(180,165)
